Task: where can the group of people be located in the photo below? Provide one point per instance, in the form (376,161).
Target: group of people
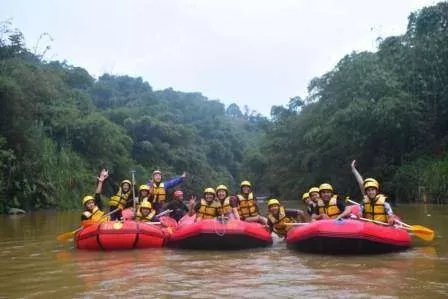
(323,203)
(151,199)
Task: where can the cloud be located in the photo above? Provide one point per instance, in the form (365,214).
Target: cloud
(256,53)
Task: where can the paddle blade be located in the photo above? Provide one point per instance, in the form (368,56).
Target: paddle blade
(424,233)
(66,236)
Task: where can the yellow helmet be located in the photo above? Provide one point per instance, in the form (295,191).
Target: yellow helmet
(273,202)
(87,198)
(370,180)
(325,186)
(222,187)
(313,189)
(305,196)
(371,184)
(245,183)
(209,190)
(157,171)
(146,204)
(126,182)
(143,187)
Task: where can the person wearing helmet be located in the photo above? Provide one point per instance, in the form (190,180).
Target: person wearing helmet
(329,205)
(144,192)
(177,205)
(279,217)
(229,204)
(359,178)
(207,208)
(247,204)
(314,196)
(159,188)
(122,199)
(374,205)
(92,204)
(145,212)
(308,203)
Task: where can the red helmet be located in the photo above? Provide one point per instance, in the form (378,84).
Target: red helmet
(178,194)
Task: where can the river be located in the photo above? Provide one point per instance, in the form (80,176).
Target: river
(34,265)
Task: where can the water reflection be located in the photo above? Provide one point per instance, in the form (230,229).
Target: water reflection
(34,264)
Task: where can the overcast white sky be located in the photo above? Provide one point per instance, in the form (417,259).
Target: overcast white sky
(256,53)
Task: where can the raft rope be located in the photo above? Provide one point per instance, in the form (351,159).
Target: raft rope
(220,221)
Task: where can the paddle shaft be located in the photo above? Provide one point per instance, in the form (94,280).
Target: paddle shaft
(69,235)
(163,213)
(133,190)
(397,221)
(403,224)
(371,220)
(297,223)
(418,230)
(353,202)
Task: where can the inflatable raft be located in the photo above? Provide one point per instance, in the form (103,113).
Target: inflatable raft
(347,237)
(216,234)
(123,235)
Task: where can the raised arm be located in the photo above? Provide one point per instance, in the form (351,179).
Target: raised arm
(358,177)
(192,207)
(104,174)
(175,181)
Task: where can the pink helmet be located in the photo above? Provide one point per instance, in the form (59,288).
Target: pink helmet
(178,194)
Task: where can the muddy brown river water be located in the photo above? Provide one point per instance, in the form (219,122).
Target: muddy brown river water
(34,265)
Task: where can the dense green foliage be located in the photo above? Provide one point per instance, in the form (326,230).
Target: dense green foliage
(388,110)
(59,126)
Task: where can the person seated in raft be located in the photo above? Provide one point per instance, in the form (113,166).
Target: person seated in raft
(314,196)
(122,199)
(177,205)
(329,205)
(159,188)
(207,208)
(145,212)
(93,205)
(279,217)
(374,205)
(144,192)
(229,204)
(359,178)
(247,204)
(308,203)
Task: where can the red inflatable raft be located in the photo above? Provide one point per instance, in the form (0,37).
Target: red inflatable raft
(347,237)
(117,235)
(215,234)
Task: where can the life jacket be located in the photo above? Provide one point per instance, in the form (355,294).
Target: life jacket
(95,216)
(142,199)
(247,207)
(374,209)
(120,199)
(159,193)
(279,222)
(139,216)
(331,209)
(225,207)
(208,211)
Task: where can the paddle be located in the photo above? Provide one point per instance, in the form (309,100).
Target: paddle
(163,213)
(133,191)
(297,223)
(69,235)
(420,231)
